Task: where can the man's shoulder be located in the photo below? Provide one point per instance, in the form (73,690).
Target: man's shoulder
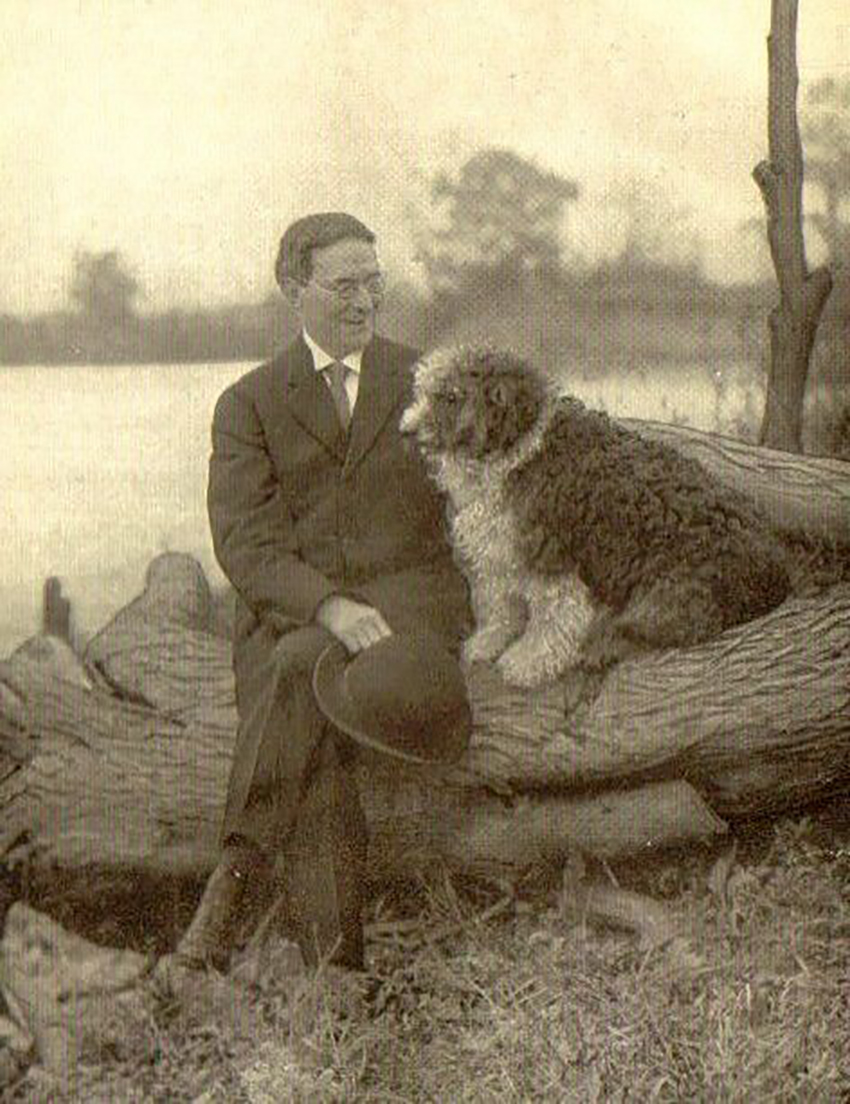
(296,354)
(276,372)
(271,373)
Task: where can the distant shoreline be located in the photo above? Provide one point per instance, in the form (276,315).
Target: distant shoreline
(673,314)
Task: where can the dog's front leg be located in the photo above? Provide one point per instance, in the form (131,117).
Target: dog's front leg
(561,611)
(603,647)
(500,617)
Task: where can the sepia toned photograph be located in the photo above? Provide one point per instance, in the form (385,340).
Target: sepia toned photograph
(425,587)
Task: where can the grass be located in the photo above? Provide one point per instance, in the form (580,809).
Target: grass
(530,1003)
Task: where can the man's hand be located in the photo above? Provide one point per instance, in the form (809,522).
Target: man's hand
(354,623)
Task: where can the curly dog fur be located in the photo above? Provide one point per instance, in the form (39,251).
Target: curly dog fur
(584,542)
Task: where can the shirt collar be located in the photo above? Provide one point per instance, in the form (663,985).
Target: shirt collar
(322,359)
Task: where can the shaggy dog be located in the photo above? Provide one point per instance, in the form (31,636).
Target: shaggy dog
(584,543)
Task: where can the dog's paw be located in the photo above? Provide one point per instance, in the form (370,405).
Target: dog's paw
(581,687)
(522,665)
(486,645)
(605,643)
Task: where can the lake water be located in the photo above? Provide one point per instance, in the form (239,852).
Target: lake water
(103,467)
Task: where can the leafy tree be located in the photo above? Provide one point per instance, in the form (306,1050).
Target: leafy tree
(826,134)
(656,230)
(500,212)
(102,287)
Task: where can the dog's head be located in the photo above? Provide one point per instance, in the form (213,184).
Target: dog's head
(476,402)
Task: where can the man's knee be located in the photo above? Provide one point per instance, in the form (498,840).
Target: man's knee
(284,667)
(295,653)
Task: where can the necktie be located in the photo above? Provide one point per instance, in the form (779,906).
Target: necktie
(335,374)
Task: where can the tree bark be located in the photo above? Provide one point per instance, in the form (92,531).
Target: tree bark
(113,783)
(803,295)
(119,759)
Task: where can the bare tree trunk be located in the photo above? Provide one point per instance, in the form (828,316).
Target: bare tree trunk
(803,295)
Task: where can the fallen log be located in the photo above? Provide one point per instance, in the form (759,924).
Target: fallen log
(116,781)
(119,759)
(70,995)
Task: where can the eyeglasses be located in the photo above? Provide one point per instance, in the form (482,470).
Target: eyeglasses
(348,290)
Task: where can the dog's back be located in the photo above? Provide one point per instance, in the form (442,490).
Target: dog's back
(625,510)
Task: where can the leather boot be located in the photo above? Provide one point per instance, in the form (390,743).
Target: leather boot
(207,941)
(324,866)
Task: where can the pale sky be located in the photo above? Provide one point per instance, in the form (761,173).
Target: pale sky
(188,133)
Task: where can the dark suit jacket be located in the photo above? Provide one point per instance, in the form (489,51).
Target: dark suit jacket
(296,515)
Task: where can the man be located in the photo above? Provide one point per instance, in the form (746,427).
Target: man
(328,528)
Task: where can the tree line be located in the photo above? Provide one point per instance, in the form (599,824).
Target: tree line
(498,247)
(497,256)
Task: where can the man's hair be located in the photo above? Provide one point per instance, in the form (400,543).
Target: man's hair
(295,255)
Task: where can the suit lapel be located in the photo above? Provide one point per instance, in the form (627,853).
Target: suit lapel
(381,389)
(308,400)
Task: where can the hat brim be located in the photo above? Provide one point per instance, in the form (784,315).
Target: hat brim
(327,688)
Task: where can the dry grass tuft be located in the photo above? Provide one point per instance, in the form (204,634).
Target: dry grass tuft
(477,996)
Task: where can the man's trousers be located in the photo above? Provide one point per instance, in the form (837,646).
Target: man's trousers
(293,793)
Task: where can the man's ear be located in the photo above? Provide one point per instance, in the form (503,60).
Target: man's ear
(293,292)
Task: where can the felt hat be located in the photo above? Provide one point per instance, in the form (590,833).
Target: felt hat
(404,695)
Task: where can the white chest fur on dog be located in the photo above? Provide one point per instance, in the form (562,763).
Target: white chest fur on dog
(530,625)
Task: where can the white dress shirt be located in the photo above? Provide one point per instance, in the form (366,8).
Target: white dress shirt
(321,360)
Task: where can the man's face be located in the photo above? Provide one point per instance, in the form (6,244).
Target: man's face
(336,307)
